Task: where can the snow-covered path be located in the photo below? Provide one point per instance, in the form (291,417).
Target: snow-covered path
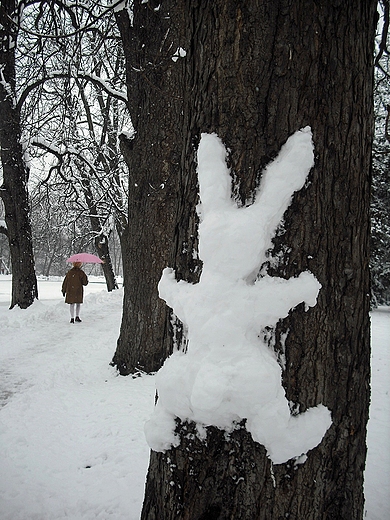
(377,475)
(72,444)
(71,430)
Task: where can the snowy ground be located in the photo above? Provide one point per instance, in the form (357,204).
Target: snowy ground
(72,443)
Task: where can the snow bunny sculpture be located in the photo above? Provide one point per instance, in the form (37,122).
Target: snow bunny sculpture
(228,373)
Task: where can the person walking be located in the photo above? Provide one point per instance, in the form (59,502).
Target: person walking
(73,290)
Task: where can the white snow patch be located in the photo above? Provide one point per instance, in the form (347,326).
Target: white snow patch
(180,53)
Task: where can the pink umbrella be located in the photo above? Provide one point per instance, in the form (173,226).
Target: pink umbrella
(85,258)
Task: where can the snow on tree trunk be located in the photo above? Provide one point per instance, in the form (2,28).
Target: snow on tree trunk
(227,372)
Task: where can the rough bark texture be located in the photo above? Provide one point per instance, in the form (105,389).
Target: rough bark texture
(15,172)
(254,73)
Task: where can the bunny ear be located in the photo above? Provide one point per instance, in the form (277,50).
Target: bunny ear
(281,178)
(213,175)
(284,176)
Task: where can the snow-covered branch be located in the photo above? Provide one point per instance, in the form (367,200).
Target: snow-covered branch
(117,94)
(102,83)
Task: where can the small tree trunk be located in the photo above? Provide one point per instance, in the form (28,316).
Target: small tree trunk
(101,246)
(101,240)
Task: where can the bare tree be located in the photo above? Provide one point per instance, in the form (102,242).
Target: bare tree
(380,206)
(69,109)
(15,171)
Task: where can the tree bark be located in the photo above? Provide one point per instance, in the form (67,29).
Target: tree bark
(14,192)
(254,73)
(154,159)
(101,246)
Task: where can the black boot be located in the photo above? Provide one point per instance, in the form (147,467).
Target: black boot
(78,319)
(71,320)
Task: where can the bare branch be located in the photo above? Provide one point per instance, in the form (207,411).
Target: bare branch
(79,30)
(385,30)
(121,96)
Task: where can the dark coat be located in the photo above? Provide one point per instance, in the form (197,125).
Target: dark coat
(72,286)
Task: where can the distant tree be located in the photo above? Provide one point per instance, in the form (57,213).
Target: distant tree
(15,170)
(380,204)
(380,220)
(254,73)
(76,179)
(51,245)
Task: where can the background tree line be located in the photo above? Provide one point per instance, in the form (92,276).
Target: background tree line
(380,201)
(69,78)
(64,68)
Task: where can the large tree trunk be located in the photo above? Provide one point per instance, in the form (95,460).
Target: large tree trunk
(154,159)
(15,172)
(254,73)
